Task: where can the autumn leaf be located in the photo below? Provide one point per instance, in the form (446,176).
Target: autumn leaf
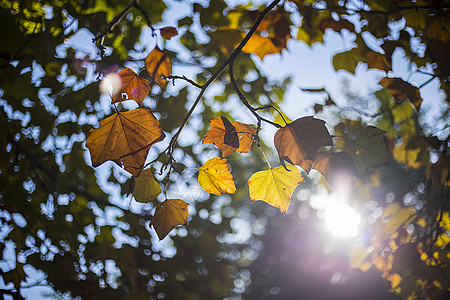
(334,165)
(215,177)
(168,32)
(298,142)
(146,188)
(125,138)
(413,152)
(260,46)
(275,186)
(135,87)
(158,65)
(400,90)
(440,171)
(229,136)
(168,215)
(337,26)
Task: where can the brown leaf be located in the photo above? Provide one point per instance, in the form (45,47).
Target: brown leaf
(136,87)
(125,138)
(168,32)
(168,215)
(298,142)
(158,65)
(401,90)
(222,135)
(377,60)
(334,166)
(336,25)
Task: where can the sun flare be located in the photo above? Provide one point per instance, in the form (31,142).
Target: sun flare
(342,220)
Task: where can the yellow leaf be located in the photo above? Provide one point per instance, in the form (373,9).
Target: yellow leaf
(230,136)
(215,177)
(358,257)
(146,188)
(261,46)
(275,186)
(125,138)
(158,65)
(136,87)
(168,215)
(406,156)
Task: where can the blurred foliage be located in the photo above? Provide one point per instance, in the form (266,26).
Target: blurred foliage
(91,239)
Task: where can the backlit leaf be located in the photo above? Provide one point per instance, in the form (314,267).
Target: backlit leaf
(168,32)
(366,145)
(215,177)
(402,90)
(158,65)
(298,142)
(334,165)
(275,186)
(337,26)
(134,86)
(168,215)
(229,136)
(125,138)
(146,188)
(260,46)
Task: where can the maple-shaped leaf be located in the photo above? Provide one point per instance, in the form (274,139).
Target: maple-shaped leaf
(275,186)
(125,138)
(261,46)
(134,86)
(158,66)
(366,145)
(229,136)
(334,166)
(146,188)
(215,177)
(168,32)
(400,90)
(298,142)
(168,215)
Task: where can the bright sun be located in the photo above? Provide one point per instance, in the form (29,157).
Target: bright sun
(342,220)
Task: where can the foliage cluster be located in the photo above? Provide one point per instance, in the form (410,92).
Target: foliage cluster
(57,216)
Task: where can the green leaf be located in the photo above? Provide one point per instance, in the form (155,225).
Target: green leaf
(146,188)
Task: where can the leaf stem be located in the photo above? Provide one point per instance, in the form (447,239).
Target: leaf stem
(267,161)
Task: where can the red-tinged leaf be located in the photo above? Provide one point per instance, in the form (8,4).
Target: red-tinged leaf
(298,142)
(168,32)
(400,90)
(135,87)
(125,138)
(230,136)
(158,66)
(168,215)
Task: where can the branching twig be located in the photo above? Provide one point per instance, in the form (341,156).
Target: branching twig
(245,102)
(173,77)
(234,54)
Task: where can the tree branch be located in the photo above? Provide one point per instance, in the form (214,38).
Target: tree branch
(204,87)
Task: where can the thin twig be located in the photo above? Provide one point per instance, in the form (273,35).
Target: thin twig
(173,77)
(234,54)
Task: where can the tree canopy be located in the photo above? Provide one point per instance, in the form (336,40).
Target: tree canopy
(140,170)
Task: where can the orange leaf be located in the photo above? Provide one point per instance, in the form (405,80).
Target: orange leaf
(401,90)
(136,87)
(229,136)
(215,177)
(168,32)
(168,215)
(261,46)
(125,138)
(158,65)
(298,142)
